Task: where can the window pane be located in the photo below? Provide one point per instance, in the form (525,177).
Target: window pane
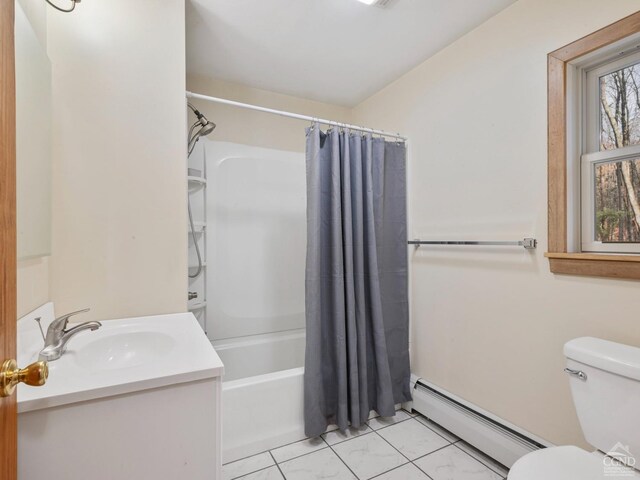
(617,207)
(620,108)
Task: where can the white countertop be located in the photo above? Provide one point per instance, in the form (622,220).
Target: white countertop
(106,362)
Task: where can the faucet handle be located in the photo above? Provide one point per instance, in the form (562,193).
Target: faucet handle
(61,322)
(38,320)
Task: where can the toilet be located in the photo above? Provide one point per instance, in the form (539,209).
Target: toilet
(605,384)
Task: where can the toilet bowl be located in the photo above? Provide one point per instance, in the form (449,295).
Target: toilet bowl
(566,463)
(605,384)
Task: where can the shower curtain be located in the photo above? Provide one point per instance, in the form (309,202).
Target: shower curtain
(357,347)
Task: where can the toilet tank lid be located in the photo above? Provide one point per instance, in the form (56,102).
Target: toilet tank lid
(608,356)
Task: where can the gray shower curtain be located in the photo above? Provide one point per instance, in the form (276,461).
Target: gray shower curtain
(357,347)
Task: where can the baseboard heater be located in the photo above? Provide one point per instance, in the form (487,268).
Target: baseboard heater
(492,435)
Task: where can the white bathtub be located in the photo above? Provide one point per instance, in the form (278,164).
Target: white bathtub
(262,392)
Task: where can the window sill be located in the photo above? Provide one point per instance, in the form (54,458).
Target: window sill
(595,265)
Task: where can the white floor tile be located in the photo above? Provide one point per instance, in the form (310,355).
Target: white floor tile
(413,439)
(271,473)
(406,472)
(293,450)
(337,436)
(369,455)
(451,463)
(380,422)
(437,428)
(246,465)
(488,461)
(316,466)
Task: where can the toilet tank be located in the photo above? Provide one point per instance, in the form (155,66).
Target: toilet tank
(607,399)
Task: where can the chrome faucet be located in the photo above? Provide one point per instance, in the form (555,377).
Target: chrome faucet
(55,343)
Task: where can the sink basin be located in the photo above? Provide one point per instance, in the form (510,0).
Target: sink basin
(124,350)
(123,356)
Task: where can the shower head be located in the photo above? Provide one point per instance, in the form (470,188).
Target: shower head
(204,128)
(207,128)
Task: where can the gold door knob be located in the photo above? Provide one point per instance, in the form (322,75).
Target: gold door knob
(35,375)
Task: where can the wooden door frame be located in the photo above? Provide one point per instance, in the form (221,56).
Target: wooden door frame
(8,262)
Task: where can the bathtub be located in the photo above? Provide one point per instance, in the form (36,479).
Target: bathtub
(262,392)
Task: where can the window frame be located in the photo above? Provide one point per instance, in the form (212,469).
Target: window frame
(564,142)
(591,74)
(589,90)
(587,211)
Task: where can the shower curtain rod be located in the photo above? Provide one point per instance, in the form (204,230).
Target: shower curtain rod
(294,115)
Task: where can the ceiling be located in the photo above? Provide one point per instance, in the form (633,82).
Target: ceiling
(335,51)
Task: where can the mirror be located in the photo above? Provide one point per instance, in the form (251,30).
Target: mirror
(33,140)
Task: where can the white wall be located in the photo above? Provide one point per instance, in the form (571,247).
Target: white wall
(36,12)
(32,284)
(489,325)
(33,138)
(119,182)
(32,274)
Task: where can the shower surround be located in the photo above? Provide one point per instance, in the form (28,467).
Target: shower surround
(255,246)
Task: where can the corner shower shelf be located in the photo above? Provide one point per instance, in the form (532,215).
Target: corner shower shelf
(198,306)
(198,180)
(204,264)
(196,183)
(198,227)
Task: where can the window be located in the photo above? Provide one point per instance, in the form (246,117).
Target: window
(594,153)
(610,160)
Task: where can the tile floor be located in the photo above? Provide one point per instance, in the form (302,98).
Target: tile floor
(404,447)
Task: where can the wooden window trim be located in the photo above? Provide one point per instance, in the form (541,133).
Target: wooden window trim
(560,260)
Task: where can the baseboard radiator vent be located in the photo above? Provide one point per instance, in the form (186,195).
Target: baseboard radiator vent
(492,435)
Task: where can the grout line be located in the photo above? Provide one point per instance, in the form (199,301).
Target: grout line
(273,458)
(418,467)
(326,444)
(274,448)
(324,440)
(427,454)
(278,466)
(449,443)
(252,472)
(380,436)
(480,461)
(408,459)
(246,458)
(345,463)
(319,436)
(394,468)
(367,432)
(297,456)
(427,426)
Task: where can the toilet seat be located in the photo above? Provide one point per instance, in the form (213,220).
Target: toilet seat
(561,463)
